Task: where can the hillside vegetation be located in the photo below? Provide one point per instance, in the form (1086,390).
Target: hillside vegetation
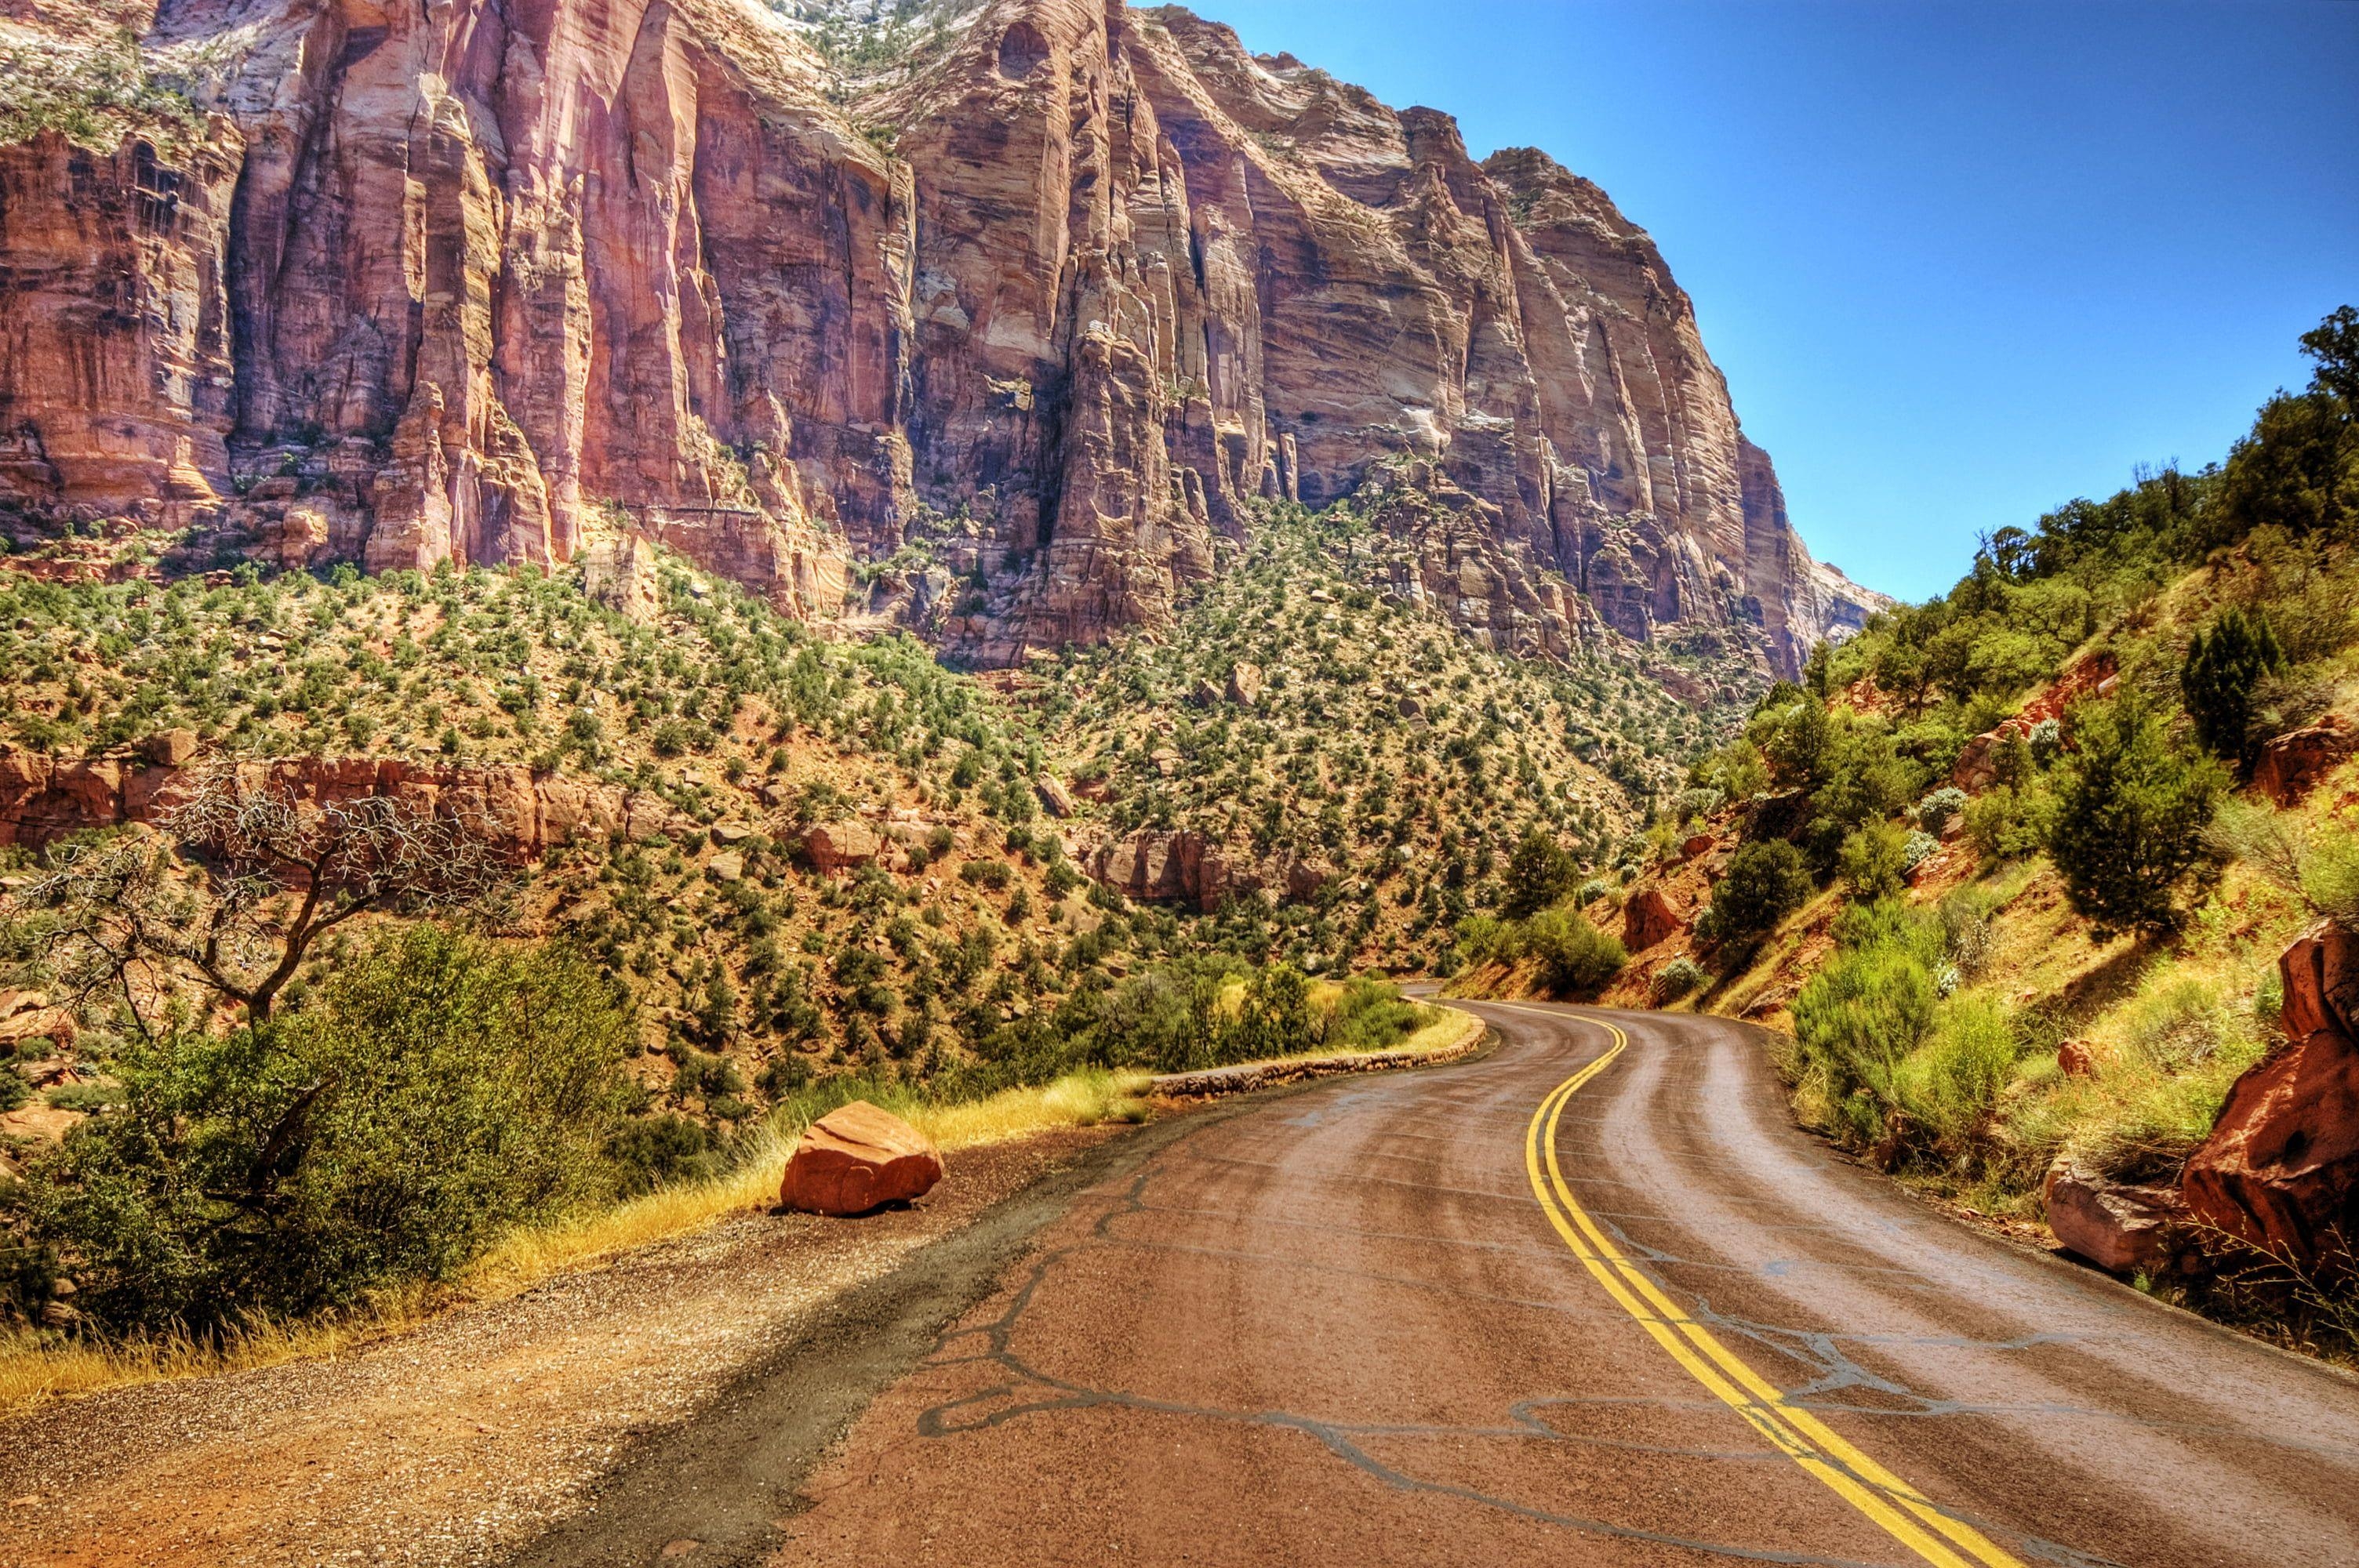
(1304,713)
(2015,864)
(797,870)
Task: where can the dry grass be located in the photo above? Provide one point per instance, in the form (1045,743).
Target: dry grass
(36,1368)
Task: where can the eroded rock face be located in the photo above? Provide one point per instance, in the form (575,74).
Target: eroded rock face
(481,281)
(2280,1169)
(42,799)
(857,1159)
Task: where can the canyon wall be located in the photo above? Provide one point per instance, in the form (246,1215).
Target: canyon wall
(1049,299)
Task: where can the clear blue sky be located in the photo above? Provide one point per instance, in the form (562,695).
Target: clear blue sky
(1960,262)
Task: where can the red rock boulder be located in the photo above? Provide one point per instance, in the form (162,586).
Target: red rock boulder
(2290,766)
(857,1159)
(842,846)
(2122,1228)
(2280,1171)
(1647,919)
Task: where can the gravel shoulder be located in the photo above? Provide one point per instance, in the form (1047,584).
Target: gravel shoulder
(484,1430)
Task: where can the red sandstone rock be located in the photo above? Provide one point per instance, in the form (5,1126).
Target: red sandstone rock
(2320,974)
(53,1023)
(2280,1169)
(171,748)
(2290,765)
(1698,846)
(2120,1227)
(842,846)
(1648,917)
(1055,796)
(493,266)
(858,1159)
(2077,1059)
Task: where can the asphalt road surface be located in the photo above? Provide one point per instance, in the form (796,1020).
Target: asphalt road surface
(1588,1298)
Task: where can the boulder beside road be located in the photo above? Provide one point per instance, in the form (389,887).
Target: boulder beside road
(2280,1171)
(856,1159)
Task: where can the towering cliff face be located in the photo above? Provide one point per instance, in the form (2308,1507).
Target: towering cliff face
(481,278)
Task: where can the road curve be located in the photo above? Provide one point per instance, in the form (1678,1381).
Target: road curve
(1369,1324)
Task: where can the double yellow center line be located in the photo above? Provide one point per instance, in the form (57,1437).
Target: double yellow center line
(1892,1503)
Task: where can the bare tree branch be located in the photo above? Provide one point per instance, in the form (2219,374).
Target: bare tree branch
(271,872)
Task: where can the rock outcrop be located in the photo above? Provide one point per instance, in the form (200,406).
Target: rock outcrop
(2291,764)
(42,799)
(1068,285)
(857,1159)
(2280,1169)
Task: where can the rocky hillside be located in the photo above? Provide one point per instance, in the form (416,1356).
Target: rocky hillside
(1028,299)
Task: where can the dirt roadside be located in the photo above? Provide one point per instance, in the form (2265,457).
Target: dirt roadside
(467,1440)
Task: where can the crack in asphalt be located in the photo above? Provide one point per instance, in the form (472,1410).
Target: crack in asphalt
(1346,1440)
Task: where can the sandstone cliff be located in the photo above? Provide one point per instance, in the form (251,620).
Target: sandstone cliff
(1053,294)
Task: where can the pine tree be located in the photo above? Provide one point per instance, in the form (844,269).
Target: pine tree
(2218,678)
(2131,809)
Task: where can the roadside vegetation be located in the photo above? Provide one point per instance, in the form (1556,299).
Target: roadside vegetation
(2074,957)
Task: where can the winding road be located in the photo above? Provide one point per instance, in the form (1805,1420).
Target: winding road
(1588,1299)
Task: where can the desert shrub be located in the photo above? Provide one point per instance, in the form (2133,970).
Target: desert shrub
(1765,882)
(436,1088)
(1873,862)
(1916,849)
(1371,1015)
(2321,867)
(2131,811)
(1677,978)
(1590,891)
(2046,742)
(1935,812)
(1882,1052)
(1862,1015)
(1947,1085)
(2010,823)
(1482,938)
(1573,954)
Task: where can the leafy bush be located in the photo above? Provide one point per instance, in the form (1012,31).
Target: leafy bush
(651,1151)
(2009,823)
(1765,882)
(438,1087)
(1916,849)
(1574,955)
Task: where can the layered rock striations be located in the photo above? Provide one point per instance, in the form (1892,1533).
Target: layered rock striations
(1059,294)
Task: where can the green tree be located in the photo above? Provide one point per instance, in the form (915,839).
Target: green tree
(438,1088)
(1765,882)
(2131,807)
(1540,874)
(2217,679)
(2334,344)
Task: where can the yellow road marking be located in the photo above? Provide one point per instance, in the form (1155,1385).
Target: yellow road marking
(1904,1512)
